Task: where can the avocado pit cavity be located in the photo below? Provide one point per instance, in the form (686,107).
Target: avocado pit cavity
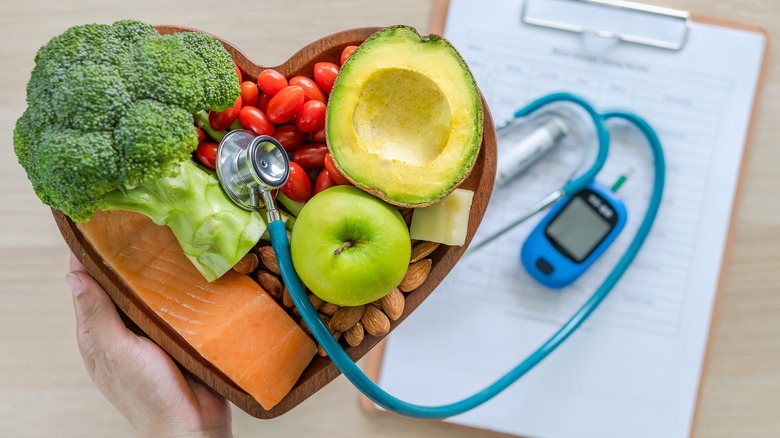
(402,115)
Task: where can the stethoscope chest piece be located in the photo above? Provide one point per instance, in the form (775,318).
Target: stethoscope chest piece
(249,166)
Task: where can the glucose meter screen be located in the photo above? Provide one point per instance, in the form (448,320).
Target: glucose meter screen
(578,229)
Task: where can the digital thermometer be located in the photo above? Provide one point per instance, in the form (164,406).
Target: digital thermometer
(573,235)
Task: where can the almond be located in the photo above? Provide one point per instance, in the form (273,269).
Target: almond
(287,298)
(393,304)
(247,264)
(270,283)
(325,319)
(346,317)
(415,275)
(288,301)
(422,250)
(329,308)
(268,257)
(316,301)
(354,336)
(375,321)
(321,351)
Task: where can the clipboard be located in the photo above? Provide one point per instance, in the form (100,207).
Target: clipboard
(373,362)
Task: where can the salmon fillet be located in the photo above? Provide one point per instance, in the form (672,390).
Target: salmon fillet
(232,322)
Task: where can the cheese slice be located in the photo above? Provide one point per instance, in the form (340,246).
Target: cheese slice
(446,221)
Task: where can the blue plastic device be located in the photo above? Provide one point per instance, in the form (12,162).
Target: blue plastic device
(573,235)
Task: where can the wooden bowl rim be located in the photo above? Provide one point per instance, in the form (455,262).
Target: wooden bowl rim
(142,319)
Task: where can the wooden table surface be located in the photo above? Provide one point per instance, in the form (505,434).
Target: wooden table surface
(44,388)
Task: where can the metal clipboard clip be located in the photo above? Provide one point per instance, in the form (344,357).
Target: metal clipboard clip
(615,20)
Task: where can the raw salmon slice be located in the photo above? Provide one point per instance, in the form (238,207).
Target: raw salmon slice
(232,322)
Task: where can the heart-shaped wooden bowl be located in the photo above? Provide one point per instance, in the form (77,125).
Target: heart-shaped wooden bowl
(321,370)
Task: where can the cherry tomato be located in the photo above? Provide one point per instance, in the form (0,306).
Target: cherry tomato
(311,156)
(201,134)
(223,119)
(319,136)
(262,102)
(334,172)
(347,51)
(325,75)
(298,186)
(324,181)
(238,72)
(271,81)
(249,93)
(207,154)
(289,136)
(311,117)
(255,120)
(285,104)
(311,91)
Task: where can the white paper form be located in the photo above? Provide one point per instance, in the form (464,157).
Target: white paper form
(633,369)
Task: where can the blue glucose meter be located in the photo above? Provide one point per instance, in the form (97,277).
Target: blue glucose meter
(573,235)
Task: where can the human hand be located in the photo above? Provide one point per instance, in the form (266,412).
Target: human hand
(136,376)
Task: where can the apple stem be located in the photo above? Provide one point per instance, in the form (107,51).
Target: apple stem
(343,246)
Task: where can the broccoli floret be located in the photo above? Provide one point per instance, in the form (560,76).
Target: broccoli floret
(80,169)
(94,43)
(99,96)
(164,69)
(97,44)
(131,32)
(219,94)
(151,142)
(109,126)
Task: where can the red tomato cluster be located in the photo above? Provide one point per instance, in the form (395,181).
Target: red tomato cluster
(293,112)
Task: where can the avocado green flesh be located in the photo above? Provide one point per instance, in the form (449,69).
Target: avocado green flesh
(404,117)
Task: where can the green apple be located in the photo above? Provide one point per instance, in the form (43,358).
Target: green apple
(349,247)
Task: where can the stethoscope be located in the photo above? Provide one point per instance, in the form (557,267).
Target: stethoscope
(250,167)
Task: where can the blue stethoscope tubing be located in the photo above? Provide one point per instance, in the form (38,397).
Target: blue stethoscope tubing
(321,333)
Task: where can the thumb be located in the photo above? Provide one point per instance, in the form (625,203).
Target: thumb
(98,325)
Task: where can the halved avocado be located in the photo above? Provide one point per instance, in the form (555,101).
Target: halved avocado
(404,118)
